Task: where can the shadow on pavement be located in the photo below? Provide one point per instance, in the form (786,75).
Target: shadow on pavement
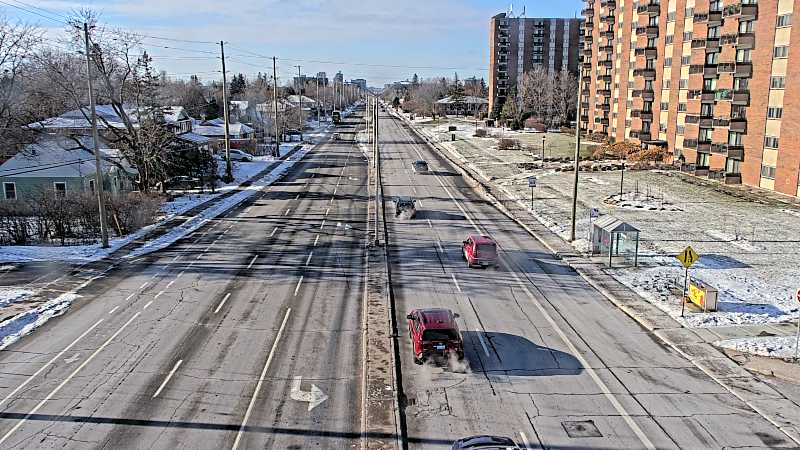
(516,356)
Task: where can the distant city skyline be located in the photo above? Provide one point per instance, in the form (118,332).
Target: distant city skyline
(381,41)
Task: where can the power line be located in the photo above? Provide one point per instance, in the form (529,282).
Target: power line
(31,12)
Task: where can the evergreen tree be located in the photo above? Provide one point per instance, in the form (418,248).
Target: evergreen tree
(457,96)
(213,110)
(415,80)
(238,86)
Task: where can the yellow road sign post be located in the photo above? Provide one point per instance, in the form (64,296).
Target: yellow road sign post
(687,258)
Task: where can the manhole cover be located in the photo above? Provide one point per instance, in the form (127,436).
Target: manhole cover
(581,429)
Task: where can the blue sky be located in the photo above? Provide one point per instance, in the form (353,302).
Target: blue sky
(359,37)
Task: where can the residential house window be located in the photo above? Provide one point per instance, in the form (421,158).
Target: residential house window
(683,83)
(687,36)
(715,5)
(741,84)
(10,191)
(774,112)
(667,82)
(709,84)
(705,134)
(707,110)
(784,20)
(771,142)
(777,83)
(667,62)
(664,106)
(713,32)
(688,13)
(738,111)
(782,51)
(60,188)
(712,58)
(768,172)
(627,123)
(662,127)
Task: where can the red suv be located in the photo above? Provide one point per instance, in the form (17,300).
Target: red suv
(434,333)
(479,251)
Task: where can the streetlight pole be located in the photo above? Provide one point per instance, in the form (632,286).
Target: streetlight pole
(98,176)
(228,165)
(543,140)
(577,155)
(300,96)
(275,100)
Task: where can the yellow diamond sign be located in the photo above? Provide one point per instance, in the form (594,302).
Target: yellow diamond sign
(688,257)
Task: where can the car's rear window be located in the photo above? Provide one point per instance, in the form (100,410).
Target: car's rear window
(439,335)
(486,249)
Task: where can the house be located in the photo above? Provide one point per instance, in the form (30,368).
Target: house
(60,164)
(468,106)
(309,104)
(241,135)
(179,122)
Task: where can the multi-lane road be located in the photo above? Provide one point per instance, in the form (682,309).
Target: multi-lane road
(248,334)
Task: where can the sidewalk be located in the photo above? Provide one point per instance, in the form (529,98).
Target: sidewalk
(696,344)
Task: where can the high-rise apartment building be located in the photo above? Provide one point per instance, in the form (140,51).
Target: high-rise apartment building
(711,80)
(518,44)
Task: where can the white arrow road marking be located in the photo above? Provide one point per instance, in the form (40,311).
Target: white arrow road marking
(73,359)
(314,397)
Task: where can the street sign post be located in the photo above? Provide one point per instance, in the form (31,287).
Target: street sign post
(532,184)
(687,258)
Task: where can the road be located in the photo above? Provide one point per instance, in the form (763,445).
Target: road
(244,334)
(549,361)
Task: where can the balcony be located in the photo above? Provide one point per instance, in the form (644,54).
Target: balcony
(692,119)
(648,74)
(708,96)
(604,92)
(690,143)
(712,43)
(698,43)
(696,68)
(608,34)
(588,65)
(587,52)
(652,9)
(604,78)
(735,151)
(746,41)
(729,39)
(744,69)
(720,122)
(726,67)
(710,70)
(588,12)
(585,106)
(749,11)
(642,135)
(733,178)
(644,115)
(706,122)
(607,19)
(649,31)
(703,146)
(608,63)
(604,107)
(588,39)
(609,3)
(589,25)
(607,48)
(738,124)
(714,17)
(718,148)
(648,95)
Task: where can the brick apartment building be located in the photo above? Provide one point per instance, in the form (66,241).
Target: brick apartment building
(517,45)
(712,80)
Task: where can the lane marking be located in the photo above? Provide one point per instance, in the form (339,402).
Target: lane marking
(260,381)
(525,442)
(273,232)
(455,282)
(182,272)
(113,309)
(328,210)
(67,379)
(170,283)
(169,376)
(439,244)
(483,343)
(144,285)
(252,262)
(158,295)
(49,363)
(227,296)
(298,197)
(430,225)
(130,296)
(297,288)
(287,212)
(148,304)
(316,239)
(323,224)
(308,260)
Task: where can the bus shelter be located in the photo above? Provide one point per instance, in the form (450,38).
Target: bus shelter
(615,238)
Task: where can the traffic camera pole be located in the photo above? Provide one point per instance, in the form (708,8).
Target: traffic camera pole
(228,165)
(577,157)
(98,175)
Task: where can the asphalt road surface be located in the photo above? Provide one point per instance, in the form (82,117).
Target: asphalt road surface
(245,334)
(549,361)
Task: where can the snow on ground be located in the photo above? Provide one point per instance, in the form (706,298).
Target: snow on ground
(22,324)
(749,249)
(773,346)
(11,295)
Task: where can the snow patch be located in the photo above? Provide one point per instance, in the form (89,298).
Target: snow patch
(9,296)
(23,324)
(773,346)
(640,200)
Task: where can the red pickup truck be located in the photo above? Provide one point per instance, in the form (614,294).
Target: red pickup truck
(479,251)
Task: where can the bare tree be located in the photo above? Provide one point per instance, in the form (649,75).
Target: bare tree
(564,97)
(16,108)
(536,92)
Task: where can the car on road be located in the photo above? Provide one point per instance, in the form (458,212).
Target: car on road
(485,442)
(421,166)
(405,206)
(479,251)
(239,155)
(434,334)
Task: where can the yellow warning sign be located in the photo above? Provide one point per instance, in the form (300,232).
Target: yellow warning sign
(688,257)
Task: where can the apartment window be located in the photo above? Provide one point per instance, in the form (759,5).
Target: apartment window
(709,84)
(781,52)
(705,134)
(627,123)
(743,56)
(664,106)
(703,159)
(713,32)
(60,188)
(777,82)
(746,26)
(784,20)
(10,191)
(681,129)
(671,16)
(771,142)
(667,83)
(707,110)
(683,83)
(669,39)
(767,172)
(712,58)
(741,84)
(715,5)
(733,165)
(734,138)
(685,60)
(689,12)
(738,112)
(667,62)
(687,36)
(774,112)
(629,104)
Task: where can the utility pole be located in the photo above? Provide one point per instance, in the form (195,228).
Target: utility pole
(228,166)
(275,99)
(318,102)
(98,175)
(300,96)
(577,156)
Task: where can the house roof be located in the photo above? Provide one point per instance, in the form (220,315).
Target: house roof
(173,114)
(468,99)
(216,128)
(56,157)
(295,99)
(81,119)
(194,138)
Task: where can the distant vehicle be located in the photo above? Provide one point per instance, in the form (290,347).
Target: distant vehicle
(479,251)
(336,136)
(485,442)
(405,206)
(554,130)
(434,334)
(182,182)
(337,117)
(239,155)
(421,166)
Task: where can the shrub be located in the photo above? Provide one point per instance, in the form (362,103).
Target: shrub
(508,144)
(533,123)
(481,133)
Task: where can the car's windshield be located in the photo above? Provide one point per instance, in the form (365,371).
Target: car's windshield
(439,335)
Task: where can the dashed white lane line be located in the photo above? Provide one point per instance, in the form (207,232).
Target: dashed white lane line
(274,230)
(288,210)
(297,288)
(252,261)
(430,225)
(113,310)
(144,285)
(316,240)
(68,378)
(49,363)
(160,293)
(169,376)
(419,202)
(148,305)
(260,381)
(182,272)
(327,211)
(323,224)
(455,282)
(297,197)
(171,283)
(225,299)
(130,296)
(525,442)
(308,260)
(439,244)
